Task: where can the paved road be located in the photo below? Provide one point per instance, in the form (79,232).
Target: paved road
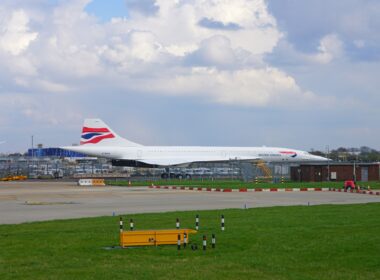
(37,201)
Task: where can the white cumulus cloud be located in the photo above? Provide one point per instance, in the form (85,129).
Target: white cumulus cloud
(246,87)
(213,50)
(15,35)
(330,47)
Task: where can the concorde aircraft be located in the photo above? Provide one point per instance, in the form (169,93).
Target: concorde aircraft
(100,140)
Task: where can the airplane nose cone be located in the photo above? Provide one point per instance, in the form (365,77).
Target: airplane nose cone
(319,158)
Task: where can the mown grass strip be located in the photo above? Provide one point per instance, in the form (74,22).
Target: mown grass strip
(236,184)
(315,242)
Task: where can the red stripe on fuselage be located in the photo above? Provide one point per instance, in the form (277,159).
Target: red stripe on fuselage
(287,153)
(89,129)
(97,139)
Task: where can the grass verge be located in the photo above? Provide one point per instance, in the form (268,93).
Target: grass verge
(299,242)
(236,184)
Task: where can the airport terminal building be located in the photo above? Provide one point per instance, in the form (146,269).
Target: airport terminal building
(53,152)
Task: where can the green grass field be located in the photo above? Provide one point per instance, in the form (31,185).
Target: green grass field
(235,184)
(315,242)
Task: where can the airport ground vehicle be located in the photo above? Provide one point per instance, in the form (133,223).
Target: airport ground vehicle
(177,173)
(14,178)
(173,175)
(188,173)
(349,185)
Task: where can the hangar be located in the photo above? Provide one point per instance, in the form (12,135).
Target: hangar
(336,172)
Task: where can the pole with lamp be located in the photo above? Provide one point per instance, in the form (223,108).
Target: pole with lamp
(328,162)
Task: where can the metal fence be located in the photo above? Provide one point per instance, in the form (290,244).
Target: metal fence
(59,167)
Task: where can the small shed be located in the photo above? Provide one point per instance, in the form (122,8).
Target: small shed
(318,172)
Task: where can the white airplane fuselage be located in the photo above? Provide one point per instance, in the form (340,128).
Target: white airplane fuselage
(173,155)
(101,141)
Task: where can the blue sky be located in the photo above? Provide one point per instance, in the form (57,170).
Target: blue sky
(106,10)
(299,74)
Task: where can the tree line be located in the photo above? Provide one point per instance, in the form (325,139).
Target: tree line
(362,154)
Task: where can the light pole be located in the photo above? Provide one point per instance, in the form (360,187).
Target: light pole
(355,160)
(30,160)
(328,162)
(32,148)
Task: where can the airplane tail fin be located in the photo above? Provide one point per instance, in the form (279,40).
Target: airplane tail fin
(96,132)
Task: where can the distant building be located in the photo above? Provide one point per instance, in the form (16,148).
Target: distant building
(53,152)
(337,171)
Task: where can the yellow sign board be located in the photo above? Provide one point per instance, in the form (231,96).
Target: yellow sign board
(153,237)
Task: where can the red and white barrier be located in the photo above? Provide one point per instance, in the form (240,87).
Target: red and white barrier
(355,191)
(240,190)
(264,190)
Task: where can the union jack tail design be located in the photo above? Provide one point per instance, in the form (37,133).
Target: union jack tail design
(96,132)
(95,135)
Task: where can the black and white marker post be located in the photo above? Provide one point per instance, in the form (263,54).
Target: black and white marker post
(179,242)
(184,240)
(197,222)
(204,242)
(213,241)
(177,224)
(121,224)
(222,222)
(131,225)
